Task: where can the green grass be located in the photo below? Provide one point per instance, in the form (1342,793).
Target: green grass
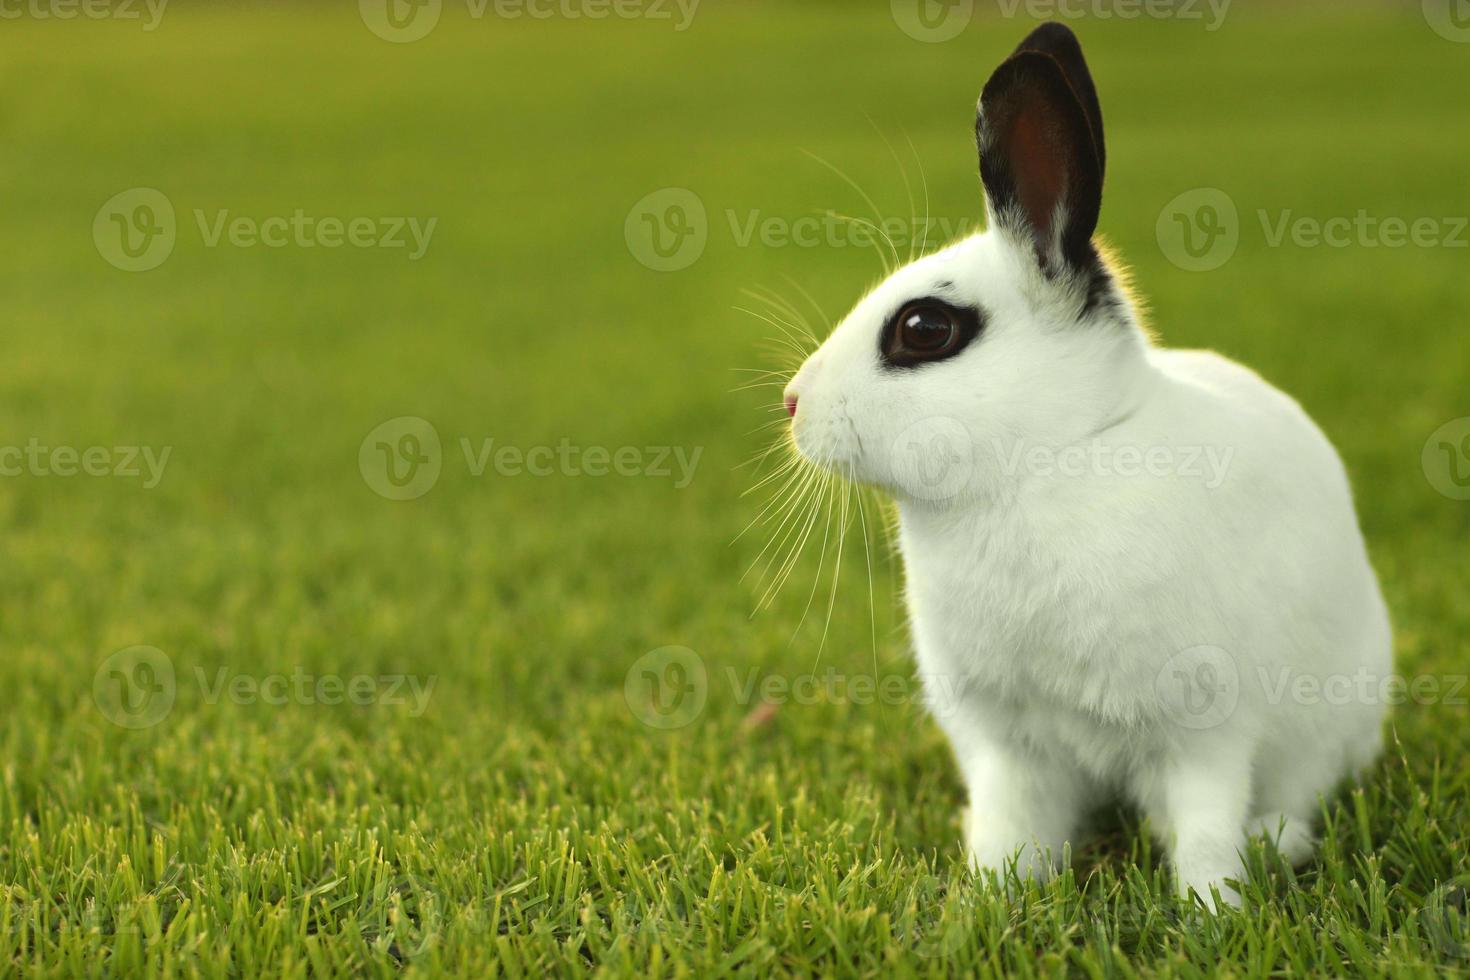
(526,821)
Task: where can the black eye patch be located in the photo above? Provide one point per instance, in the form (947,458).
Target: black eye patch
(926,330)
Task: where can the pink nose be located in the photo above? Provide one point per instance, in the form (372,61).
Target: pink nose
(791,405)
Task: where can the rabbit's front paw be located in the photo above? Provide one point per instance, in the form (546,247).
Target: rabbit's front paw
(1209,876)
(1204,803)
(990,847)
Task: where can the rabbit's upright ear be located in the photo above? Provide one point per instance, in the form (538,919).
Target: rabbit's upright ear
(1058,41)
(1039,131)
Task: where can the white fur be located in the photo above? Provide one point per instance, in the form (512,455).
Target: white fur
(1071,605)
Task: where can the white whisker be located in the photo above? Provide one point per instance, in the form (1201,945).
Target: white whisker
(877,212)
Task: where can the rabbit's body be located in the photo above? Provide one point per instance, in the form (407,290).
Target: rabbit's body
(1067,613)
(1130,571)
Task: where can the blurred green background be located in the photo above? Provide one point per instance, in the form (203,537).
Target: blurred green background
(527,819)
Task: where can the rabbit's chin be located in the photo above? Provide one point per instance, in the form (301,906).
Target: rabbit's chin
(934,483)
(828,442)
(845,467)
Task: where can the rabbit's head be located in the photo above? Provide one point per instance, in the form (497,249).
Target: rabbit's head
(1019,336)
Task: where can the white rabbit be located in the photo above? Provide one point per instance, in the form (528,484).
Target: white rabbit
(1134,564)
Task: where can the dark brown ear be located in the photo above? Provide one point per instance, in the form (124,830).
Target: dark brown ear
(1039,162)
(1058,41)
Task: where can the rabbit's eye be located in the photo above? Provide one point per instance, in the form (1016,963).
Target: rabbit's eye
(928,330)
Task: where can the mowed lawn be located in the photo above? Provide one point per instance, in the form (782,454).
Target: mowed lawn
(378,736)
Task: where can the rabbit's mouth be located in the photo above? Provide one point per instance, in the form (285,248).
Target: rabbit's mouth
(832,441)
